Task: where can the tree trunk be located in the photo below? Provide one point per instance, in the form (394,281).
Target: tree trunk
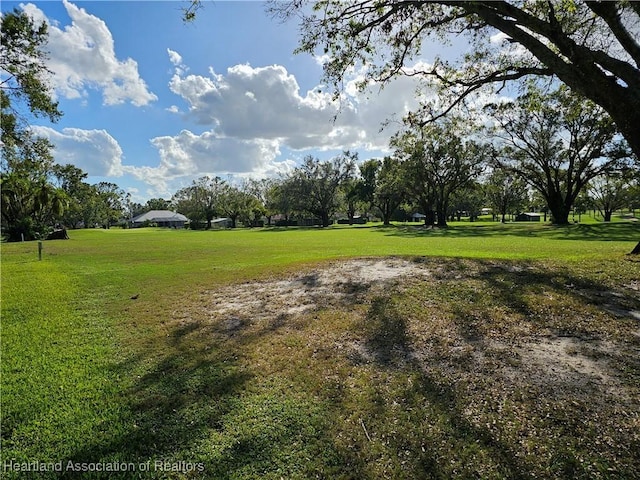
(442,219)
(430,218)
(559,213)
(351,212)
(607,215)
(325,219)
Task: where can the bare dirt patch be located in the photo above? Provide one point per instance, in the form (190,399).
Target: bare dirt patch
(541,359)
(570,366)
(333,284)
(575,364)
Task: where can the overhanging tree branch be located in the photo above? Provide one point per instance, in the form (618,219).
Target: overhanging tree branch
(608,11)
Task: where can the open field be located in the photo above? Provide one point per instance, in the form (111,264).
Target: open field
(480,351)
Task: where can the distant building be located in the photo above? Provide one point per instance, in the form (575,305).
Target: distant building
(356,220)
(528,217)
(223,222)
(160,218)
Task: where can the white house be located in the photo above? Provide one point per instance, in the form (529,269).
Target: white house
(161,218)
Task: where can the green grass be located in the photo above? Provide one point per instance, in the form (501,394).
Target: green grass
(91,375)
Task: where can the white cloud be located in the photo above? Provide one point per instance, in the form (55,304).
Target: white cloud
(174,57)
(498,37)
(82,57)
(254,112)
(187,155)
(190,153)
(94,151)
(322,60)
(266,103)
(259,102)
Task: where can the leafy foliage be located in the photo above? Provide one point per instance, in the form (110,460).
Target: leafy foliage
(590,46)
(439,163)
(237,204)
(201,200)
(30,202)
(383,185)
(506,193)
(315,185)
(22,60)
(609,193)
(556,142)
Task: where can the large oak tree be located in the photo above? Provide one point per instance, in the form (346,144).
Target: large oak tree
(438,163)
(591,46)
(383,185)
(200,201)
(556,142)
(314,186)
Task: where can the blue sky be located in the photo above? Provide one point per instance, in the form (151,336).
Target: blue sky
(151,103)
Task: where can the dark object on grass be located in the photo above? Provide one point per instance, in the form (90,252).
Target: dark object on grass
(636,250)
(58,235)
(135,297)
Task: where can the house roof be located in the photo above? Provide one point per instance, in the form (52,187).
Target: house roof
(160,216)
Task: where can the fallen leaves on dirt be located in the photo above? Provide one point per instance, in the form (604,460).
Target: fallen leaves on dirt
(498,369)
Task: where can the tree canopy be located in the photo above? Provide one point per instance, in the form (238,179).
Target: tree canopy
(591,46)
(29,200)
(439,162)
(315,185)
(201,200)
(383,186)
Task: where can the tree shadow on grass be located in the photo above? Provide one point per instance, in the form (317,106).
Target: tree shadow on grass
(620,232)
(439,420)
(196,407)
(454,425)
(181,395)
(195,402)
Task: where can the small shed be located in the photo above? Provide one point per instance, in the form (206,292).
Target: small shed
(528,217)
(221,222)
(161,218)
(418,217)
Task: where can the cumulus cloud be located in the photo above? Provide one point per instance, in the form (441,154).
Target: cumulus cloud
(176,59)
(188,155)
(253,112)
(94,151)
(262,102)
(266,103)
(82,56)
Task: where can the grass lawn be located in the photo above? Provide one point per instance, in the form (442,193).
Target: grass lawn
(479,351)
